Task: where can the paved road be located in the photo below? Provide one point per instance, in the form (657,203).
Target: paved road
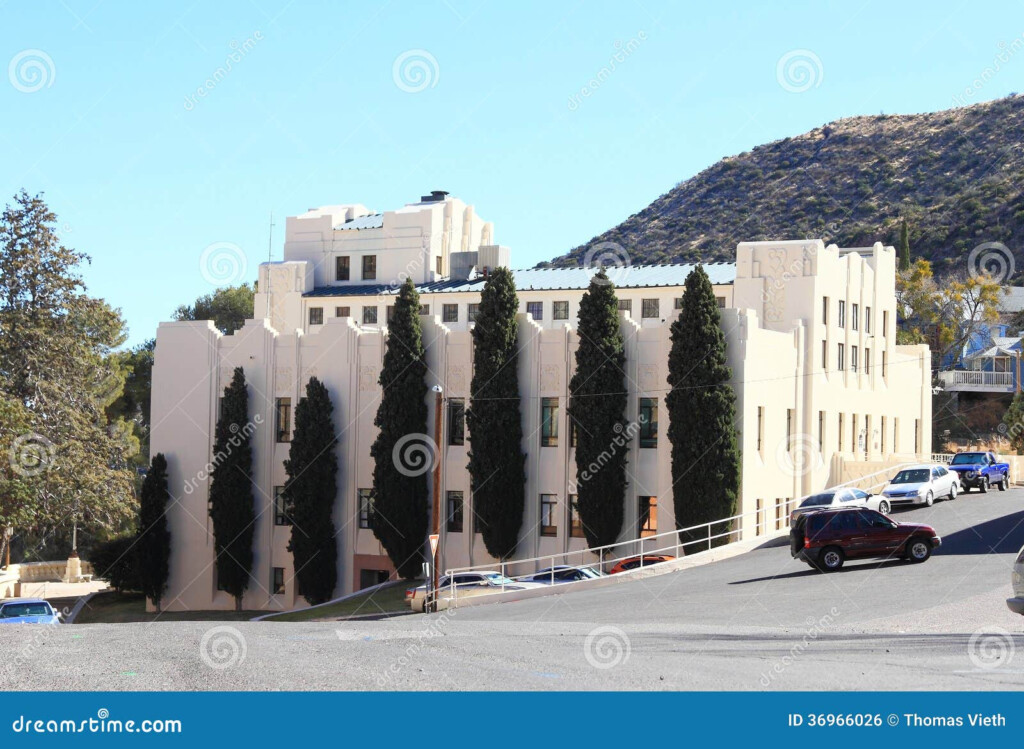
(756,621)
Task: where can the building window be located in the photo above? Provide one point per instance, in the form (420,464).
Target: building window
(369,267)
(341,268)
(789,430)
(885,364)
(283,410)
(369,315)
(853,433)
(575,524)
(280,507)
(841,359)
(472,310)
(867,360)
(626,305)
(548,516)
(917,436)
(649,308)
(721,301)
(760,428)
(824,310)
(648,422)
(560,310)
(883,436)
(549,422)
(853,358)
(454,517)
(841,422)
(824,356)
(854,315)
(316,315)
(277,581)
(342,312)
(648,516)
(389,313)
(896,434)
(424,309)
(439,265)
(535,310)
(365,508)
(885,324)
(678,302)
(821,431)
(867,320)
(449,313)
(842,313)
(456,421)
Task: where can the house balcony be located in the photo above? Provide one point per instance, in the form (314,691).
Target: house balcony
(976,381)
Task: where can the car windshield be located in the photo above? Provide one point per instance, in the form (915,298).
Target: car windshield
(914,476)
(963,459)
(12,610)
(495,578)
(818,500)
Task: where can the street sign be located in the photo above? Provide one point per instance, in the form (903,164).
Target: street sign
(434,538)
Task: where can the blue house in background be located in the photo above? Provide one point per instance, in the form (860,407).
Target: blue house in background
(989,363)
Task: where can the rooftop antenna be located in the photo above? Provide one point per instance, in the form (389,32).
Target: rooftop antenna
(270,259)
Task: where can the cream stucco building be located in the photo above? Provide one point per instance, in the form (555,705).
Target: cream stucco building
(811,334)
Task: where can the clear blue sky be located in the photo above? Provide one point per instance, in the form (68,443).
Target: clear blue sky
(312,114)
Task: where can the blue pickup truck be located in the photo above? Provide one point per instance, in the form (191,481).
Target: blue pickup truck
(981,470)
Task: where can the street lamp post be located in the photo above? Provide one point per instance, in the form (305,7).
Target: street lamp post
(436,525)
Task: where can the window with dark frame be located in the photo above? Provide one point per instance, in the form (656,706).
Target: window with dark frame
(648,416)
(678,302)
(626,305)
(867,360)
(424,309)
(824,310)
(535,310)
(867,320)
(277,581)
(824,356)
(841,358)
(316,315)
(649,308)
(574,432)
(369,315)
(453,522)
(283,419)
(721,301)
(853,358)
(559,310)
(472,310)
(549,422)
(854,315)
(365,508)
(648,520)
(456,421)
(342,270)
(439,265)
(369,267)
(343,312)
(575,523)
(449,313)
(842,313)
(548,514)
(281,510)
(389,313)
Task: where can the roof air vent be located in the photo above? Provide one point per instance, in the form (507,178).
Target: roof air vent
(436,196)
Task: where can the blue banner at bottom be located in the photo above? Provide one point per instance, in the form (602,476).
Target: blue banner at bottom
(499,719)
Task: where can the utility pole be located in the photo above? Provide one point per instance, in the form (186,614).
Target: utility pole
(436,524)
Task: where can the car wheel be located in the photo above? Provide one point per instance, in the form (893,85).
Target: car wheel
(983,485)
(1002,484)
(929,499)
(831,558)
(952,490)
(918,550)
(883,507)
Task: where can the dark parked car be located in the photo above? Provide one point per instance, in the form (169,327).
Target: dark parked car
(827,538)
(561,573)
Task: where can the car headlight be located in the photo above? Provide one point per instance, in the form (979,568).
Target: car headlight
(970,474)
(912,493)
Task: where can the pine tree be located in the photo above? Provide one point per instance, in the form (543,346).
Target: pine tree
(904,246)
(312,468)
(400,472)
(231,502)
(496,459)
(1013,423)
(701,408)
(153,546)
(597,405)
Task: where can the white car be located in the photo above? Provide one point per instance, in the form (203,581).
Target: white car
(921,485)
(1016,604)
(464,585)
(841,497)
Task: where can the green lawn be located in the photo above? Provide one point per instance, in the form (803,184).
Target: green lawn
(389,599)
(117,608)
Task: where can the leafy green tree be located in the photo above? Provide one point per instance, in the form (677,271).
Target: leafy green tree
(312,468)
(904,246)
(1013,421)
(597,407)
(228,307)
(701,409)
(231,501)
(496,460)
(400,469)
(153,546)
(57,378)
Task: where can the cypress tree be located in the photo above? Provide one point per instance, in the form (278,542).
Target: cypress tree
(231,502)
(702,412)
(904,246)
(153,545)
(312,468)
(399,470)
(496,460)
(597,405)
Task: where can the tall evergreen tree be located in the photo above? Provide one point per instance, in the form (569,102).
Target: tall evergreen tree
(231,502)
(702,413)
(496,460)
(904,246)
(597,406)
(312,469)
(1013,422)
(153,546)
(399,471)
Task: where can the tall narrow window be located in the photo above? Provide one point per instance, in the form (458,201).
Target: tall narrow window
(840,432)
(648,417)
(342,270)
(678,301)
(389,313)
(824,356)
(456,421)
(574,432)
(867,320)
(760,428)
(650,308)
(842,313)
(824,310)
(854,314)
(454,516)
(867,360)
(896,434)
(369,267)
(280,508)
(548,515)
(885,365)
(439,265)
(277,581)
(789,429)
(854,434)
(883,435)
(821,432)
(575,524)
(841,358)
(535,310)
(366,508)
(917,436)
(283,420)
(648,520)
(853,358)
(885,323)
(549,422)
(449,313)
(559,310)
(316,315)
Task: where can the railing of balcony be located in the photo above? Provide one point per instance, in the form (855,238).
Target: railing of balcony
(976,377)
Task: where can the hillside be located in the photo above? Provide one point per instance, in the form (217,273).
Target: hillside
(957,176)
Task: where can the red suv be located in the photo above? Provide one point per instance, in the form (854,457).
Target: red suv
(827,538)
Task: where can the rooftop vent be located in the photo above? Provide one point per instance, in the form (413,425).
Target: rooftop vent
(436,196)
